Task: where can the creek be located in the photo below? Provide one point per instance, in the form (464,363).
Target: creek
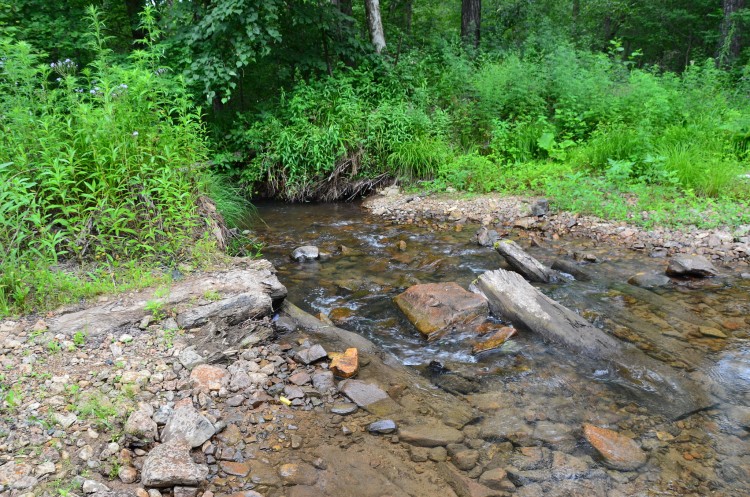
(545,392)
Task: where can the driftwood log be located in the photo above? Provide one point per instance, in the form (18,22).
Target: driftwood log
(667,390)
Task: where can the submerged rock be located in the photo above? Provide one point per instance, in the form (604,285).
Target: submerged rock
(691,265)
(486,237)
(617,451)
(431,435)
(434,308)
(649,280)
(495,340)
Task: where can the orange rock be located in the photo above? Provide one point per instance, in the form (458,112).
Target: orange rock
(207,377)
(345,365)
(617,451)
(496,340)
(733,324)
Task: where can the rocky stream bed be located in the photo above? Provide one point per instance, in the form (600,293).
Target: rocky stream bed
(220,385)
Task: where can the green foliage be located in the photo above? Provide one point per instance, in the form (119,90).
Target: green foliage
(95,164)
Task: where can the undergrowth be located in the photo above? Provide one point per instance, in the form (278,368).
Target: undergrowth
(99,167)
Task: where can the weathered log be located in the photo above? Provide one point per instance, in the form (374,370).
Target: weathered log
(665,389)
(250,289)
(520,261)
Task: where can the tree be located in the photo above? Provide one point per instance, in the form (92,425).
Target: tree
(731,41)
(375,24)
(471,20)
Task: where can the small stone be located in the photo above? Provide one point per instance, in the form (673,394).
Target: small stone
(494,478)
(345,365)
(691,265)
(207,377)
(495,340)
(465,460)
(93,486)
(305,253)
(298,474)
(384,426)
(312,354)
(65,420)
(185,492)
(344,408)
(361,393)
(189,358)
(186,422)
(712,332)
(300,378)
(618,451)
(430,435)
(323,381)
(46,468)
(140,428)
(170,464)
(127,474)
(235,468)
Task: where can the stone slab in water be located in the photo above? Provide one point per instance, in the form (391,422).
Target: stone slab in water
(520,261)
(434,308)
(691,265)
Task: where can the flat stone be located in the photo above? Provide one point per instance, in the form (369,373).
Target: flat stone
(384,426)
(93,486)
(435,308)
(712,332)
(300,378)
(361,393)
(187,423)
(430,435)
(46,468)
(463,486)
(691,265)
(466,459)
(185,492)
(206,377)
(649,280)
(312,354)
(323,381)
(345,365)
(344,408)
(140,428)
(11,472)
(494,478)
(298,474)
(65,420)
(189,358)
(565,466)
(170,464)
(305,253)
(496,340)
(617,451)
(235,468)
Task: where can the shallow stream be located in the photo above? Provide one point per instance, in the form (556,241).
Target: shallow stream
(545,392)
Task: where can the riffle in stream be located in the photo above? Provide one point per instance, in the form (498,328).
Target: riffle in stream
(535,395)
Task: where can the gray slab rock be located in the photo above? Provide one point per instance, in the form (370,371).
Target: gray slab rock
(140,428)
(430,435)
(691,265)
(520,261)
(249,289)
(170,464)
(361,393)
(665,389)
(188,424)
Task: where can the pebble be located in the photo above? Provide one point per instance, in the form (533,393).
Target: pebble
(384,426)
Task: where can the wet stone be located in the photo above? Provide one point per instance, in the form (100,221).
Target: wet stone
(235,468)
(305,253)
(384,426)
(430,435)
(691,265)
(494,478)
(649,280)
(617,451)
(298,474)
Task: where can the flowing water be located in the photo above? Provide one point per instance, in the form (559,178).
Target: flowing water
(542,392)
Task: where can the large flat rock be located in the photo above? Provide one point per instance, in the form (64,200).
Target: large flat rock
(247,290)
(434,308)
(430,435)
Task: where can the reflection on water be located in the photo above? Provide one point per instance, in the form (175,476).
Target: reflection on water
(536,381)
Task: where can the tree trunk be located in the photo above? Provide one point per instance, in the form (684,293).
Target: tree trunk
(375,24)
(408,14)
(731,41)
(471,21)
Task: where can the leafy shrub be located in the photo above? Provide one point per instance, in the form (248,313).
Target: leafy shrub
(99,164)
(472,173)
